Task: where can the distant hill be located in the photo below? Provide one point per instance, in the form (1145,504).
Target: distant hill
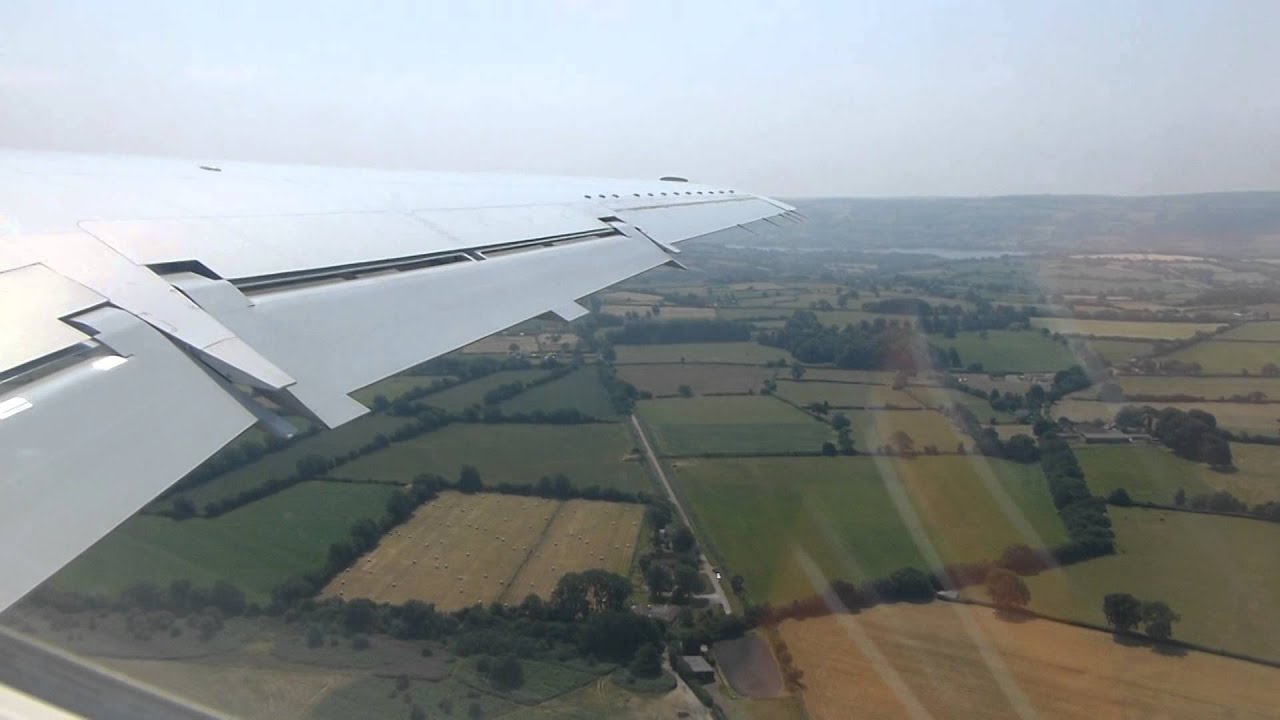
(1237,224)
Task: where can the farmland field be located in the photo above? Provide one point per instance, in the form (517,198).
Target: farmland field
(458,550)
(1269,331)
(846,514)
(665,312)
(748,353)
(591,454)
(869,377)
(1219,573)
(946,397)
(1256,418)
(1125,329)
(501,344)
(730,424)
(944,660)
(624,297)
(753,313)
(665,380)
(874,428)
(1008,351)
(1118,351)
(844,395)
(1207,388)
(459,398)
(1151,474)
(580,390)
(1007,431)
(257,546)
(1227,357)
(394,386)
(282,464)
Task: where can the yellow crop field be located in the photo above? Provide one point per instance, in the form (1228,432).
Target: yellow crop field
(460,549)
(944,660)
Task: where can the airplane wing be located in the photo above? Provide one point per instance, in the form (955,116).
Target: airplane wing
(148,307)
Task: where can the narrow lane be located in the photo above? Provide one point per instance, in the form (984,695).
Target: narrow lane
(718,595)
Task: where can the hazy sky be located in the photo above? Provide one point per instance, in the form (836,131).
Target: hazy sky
(792,98)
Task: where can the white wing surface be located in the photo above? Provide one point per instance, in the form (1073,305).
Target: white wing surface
(148,306)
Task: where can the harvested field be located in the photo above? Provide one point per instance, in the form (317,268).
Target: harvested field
(583,535)
(730,424)
(749,666)
(945,660)
(1226,357)
(462,549)
(1218,573)
(844,395)
(873,429)
(665,380)
(745,353)
(592,454)
(1125,329)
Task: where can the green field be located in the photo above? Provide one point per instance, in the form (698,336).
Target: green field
(257,546)
(665,380)
(1225,357)
(461,397)
(1206,388)
(1148,473)
(748,353)
(730,425)
(1256,418)
(1125,329)
(946,397)
(327,443)
(373,697)
(1151,474)
(580,390)
(873,429)
(844,395)
(395,386)
(768,518)
(1119,351)
(592,454)
(1269,331)
(1008,350)
(1219,573)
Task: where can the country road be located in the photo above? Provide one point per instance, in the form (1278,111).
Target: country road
(718,595)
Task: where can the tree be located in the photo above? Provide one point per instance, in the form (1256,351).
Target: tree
(829,448)
(840,421)
(738,584)
(1158,619)
(647,662)
(1021,448)
(1122,610)
(685,391)
(658,579)
(315,636)
(682,540)
(1180,497)
(506,673)
(1120,497)
(469,479)
(901,440)
(1007,589)
(797,371)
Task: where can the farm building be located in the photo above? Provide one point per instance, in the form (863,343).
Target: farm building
(700,668)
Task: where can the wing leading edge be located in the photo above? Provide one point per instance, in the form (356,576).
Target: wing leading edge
(151,305)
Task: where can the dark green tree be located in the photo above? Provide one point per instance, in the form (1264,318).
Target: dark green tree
(1122,610)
